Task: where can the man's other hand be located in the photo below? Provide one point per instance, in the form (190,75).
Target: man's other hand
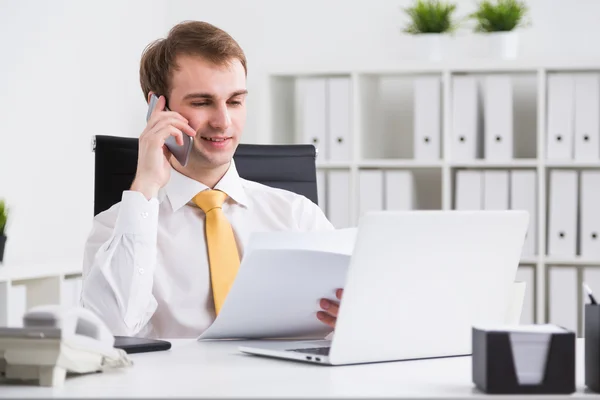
(330,309)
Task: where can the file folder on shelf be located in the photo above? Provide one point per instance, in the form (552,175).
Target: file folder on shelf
(468,191)
(498,118)
(590,214)
(466,121)
(339,106)
(560,108)
(311,114)
(338,198)
(562,216)
(562,296)
(587,117)
(523,189)
(370,184)
(400,190)
(495,190)
(427,118)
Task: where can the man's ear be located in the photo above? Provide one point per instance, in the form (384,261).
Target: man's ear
(150,93)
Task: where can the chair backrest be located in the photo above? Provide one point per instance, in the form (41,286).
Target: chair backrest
(290,167)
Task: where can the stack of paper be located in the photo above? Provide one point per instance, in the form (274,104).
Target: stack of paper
(281,279)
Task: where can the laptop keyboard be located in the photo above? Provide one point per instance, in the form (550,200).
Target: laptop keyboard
(320,351)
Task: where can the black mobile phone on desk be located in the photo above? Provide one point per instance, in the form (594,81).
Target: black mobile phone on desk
(132,345)
(181,153)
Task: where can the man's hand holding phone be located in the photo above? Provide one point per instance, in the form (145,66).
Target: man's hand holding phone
(153,168)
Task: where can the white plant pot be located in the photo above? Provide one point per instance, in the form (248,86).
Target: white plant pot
(504,45)
(430,46)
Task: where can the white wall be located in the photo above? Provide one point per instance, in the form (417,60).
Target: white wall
(69,70)
(346,34)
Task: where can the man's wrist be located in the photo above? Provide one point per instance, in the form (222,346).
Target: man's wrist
(148,189)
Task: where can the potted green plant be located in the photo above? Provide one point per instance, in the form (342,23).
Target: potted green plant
(3,219)
(499,21)
(431,21)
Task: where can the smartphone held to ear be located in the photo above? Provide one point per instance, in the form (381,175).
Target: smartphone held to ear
(181,153)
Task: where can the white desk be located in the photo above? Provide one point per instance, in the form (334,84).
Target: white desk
(217,369)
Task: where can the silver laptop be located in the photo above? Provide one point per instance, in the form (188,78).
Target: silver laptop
(417,283)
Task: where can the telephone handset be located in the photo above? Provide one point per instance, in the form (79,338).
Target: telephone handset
(181,153)
(55,340)
(78,325)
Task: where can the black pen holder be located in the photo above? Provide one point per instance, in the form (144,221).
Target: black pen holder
(592,347)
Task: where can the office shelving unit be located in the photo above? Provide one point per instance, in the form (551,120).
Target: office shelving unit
(23,286)
(380,136)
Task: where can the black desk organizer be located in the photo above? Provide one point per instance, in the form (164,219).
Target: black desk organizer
(592,347)
(495,370)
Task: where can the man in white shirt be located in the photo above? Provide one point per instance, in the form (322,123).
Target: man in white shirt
(149,268)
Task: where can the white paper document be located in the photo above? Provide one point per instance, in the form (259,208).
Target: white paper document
(281,279)
(333,241)
(526,328)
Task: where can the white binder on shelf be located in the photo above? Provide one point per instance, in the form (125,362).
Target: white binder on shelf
(587,117)
(469,190)
(370,185)
(562,296)
(523,190)
(466,121)
(495,190)
(590,214)
(525,273)
(560,108)
(322,190)
(427,118)
(338,198)
(562,224)
(498,118)
(339,106)
(400,191)
(311,114)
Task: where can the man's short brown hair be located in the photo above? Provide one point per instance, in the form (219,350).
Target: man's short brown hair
(192,38)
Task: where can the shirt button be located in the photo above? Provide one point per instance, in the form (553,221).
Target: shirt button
(144,215)
(141,271)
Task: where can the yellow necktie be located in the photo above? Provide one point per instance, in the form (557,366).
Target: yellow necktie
(222,250)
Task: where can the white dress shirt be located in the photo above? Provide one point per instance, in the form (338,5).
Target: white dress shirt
(146,270)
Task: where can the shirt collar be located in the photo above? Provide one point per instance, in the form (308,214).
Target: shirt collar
(181,189)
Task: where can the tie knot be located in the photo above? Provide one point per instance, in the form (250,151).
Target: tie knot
(209,199)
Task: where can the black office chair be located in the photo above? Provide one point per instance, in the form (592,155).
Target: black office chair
(290,167)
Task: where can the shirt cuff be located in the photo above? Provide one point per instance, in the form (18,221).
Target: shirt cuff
(137,215)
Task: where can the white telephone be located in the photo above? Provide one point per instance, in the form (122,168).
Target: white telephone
(55,340)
